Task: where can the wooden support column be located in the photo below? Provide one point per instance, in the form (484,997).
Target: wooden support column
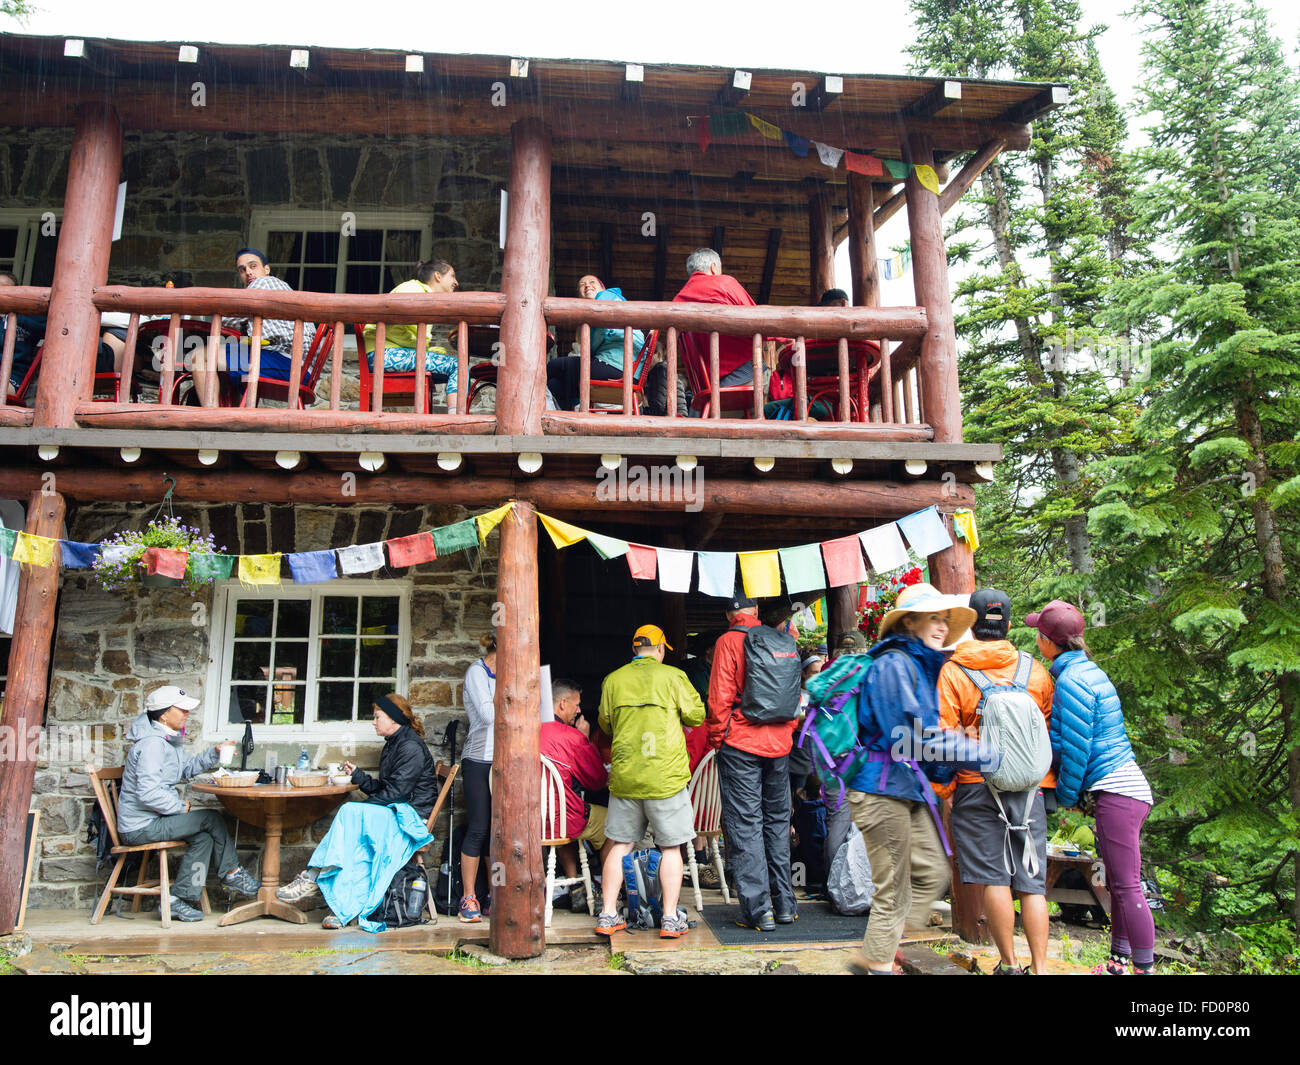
(521,397)
(841,611)
(24,703)
(864,263)
(80,265)
(516,875)
(821,247)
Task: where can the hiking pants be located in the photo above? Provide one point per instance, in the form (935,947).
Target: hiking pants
(205,830)
(756,821)
(1119,828)
(908,868)
(837,827)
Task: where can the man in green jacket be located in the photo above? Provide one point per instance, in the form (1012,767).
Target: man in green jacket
(643,706)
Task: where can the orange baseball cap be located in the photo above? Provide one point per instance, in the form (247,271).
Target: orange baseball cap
(650,636)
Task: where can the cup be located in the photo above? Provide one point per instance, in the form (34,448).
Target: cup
(226,752)
(282,774)
(333,769)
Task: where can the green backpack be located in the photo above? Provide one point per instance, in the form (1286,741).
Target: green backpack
(830,727)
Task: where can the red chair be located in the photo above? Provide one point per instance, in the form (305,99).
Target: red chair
(19,398)
(611,391)
(395,384)
(695,360)
(313,365)
(822,374)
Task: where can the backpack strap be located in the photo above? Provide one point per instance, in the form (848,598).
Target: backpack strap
(740,694)
(1023,670)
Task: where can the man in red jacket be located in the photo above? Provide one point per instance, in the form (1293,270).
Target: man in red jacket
(565,741)
(754,773)
(708,284)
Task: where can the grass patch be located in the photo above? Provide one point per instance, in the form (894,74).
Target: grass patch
(318,952)
(1088,952)
(470,961)
(616,961)
(7,968)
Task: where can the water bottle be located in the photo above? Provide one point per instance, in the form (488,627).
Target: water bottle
(416,894)
(304,759)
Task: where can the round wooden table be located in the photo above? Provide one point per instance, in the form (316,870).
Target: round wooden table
(273,808)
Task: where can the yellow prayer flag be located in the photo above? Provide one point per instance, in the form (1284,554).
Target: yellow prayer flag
(562,533)
(927,177)
(771,132)
(36,550)
(489,521)
(259,569)
(760,571)
(964,520)
(817,612)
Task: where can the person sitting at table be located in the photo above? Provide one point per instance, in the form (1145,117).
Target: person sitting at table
(150,811)
(277,333)
(708,284)
(562,372)
(369,841)
(437,275)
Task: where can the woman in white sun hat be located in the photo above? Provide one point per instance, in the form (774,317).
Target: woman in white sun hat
(890,797)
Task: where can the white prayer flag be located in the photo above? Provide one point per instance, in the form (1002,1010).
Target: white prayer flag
(675,569)
(361,558)
(884,547)
(828,155)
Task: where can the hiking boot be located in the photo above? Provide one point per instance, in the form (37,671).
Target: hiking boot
(469,910)
(182,910)
(766,923)
(673,927)
(609,923)
(708,877)
(299,888)
(238,882)
(787,918)
(1110,967)
(578,899)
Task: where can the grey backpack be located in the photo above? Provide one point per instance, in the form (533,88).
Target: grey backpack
(1012,722)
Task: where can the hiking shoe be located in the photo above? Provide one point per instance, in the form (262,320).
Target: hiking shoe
(182,910)
(299,888)
(578,899)
(787,918)
(673,927)
(238,882)
(469,910)
(1110,967)
(708,877)
(1003,970)
(766,923)
(609,923)
(331,922)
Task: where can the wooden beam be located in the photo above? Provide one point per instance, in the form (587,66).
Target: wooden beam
(821,249)
(828,91)
(80,263)
(864,264)
(661,263)
(934,101)
(677,188)
(966,176)
(718,238)
(769,265)
(731,94)
(889,208)
(1028,110)
(633,77)
(575,211)
(606,252)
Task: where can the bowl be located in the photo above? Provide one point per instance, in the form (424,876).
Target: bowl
(341,779)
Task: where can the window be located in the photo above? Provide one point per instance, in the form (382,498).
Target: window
(328,251)
(28,241)
(306,662)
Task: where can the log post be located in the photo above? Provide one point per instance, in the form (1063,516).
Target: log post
(521,396)
(80,265)
(864,263)
(821,247)
(24,703)
(841,612)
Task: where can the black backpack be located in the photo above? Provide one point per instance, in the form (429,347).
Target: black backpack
(404,901)
(773,675)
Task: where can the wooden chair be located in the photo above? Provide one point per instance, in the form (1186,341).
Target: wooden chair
(611,392)
(555,834)
(396,385)
(444,792)
(106,782)
(705,791)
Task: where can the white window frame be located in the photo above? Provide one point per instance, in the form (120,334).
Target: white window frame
(27,220)
(226,594)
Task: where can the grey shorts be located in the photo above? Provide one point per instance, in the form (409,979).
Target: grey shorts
(671,820)
(980,840)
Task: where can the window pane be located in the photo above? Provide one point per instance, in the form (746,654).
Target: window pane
(402,246)
(252,700)
(367,279)
(366,245)
(284,247)
(288,704)
(380,611)
(253,617)
(335,701)
(294,618)
(368,693)
(378,658)
(338,658)
(322,247)
(291,276)
(339,614)
(395,275)
(291,659)
(8,243)
(252,660)
(318,279)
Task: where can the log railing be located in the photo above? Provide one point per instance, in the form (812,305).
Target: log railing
(893,398)
(16,300)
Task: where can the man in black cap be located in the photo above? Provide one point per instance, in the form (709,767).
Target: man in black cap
(754,773)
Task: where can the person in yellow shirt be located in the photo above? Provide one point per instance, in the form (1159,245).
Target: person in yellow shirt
(436,275)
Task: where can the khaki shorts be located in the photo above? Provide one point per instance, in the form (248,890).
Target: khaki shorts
(594,833)
(671,820)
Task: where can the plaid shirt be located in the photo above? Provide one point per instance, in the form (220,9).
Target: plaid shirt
(277,333)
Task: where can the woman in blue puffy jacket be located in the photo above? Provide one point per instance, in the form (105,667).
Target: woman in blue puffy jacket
(1096,760)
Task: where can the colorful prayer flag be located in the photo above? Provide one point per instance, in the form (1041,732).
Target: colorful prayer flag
(728,124)
(79,556)
(361,558)
(702,135)
(828,155)
(963,521)
(460,536)
(802,567)
(717,573)
(897,169)
(884,547)
(760,573)
(799,145)
(411,550)
(844,561)
(562,533)
(925,532)
(607,547)
(864,164)
(259,569)
(771,132)
(207,567)
(312,567)
(928,178)
(642,562)
(489,521)
(7,539)
(165,562)
(674,569)
(34,550)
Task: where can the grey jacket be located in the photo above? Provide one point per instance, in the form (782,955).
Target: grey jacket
(154,766)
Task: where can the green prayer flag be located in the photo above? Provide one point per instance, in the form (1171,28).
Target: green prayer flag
(897,169)
(802,567)
(728,124)
(607,547)
(458,537)
(7,538)
(211,567)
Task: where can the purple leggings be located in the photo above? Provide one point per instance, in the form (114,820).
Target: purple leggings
(1119,825)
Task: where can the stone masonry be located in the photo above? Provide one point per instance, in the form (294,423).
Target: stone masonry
(111,648)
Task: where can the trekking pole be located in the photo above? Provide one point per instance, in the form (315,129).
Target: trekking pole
(449,739)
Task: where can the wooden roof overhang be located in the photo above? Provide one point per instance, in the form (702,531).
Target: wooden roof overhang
(623,148)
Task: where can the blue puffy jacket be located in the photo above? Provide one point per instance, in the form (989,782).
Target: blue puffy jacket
(607,344)
(900,697)
(1087,728)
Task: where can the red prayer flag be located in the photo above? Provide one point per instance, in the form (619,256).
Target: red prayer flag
(703,135)
(864,164)
(411,550)
(844,563)
(165,562)
(643,562)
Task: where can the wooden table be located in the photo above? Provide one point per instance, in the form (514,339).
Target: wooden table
(273,808)
(1094,875)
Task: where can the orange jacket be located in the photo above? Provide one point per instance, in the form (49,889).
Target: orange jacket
(726,683)
(958,695)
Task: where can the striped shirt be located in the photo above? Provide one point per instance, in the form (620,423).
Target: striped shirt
(1127,780)
(277,333)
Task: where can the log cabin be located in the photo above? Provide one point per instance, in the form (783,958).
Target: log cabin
(348,166)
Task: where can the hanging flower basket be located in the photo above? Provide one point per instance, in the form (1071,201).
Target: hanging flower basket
(886,596)
(150,557)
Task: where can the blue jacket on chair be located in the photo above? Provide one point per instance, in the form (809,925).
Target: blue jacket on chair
(1087,727)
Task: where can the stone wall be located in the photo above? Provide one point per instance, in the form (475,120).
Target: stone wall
(111,648)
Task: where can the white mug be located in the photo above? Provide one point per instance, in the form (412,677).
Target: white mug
(226,752)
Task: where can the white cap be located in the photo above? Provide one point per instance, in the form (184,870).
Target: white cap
(166,697)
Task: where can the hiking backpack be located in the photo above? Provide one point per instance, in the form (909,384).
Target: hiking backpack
(830,727)
(645,901)
(1012,723)
(773,674)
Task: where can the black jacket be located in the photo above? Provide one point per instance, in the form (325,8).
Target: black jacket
(405,773)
